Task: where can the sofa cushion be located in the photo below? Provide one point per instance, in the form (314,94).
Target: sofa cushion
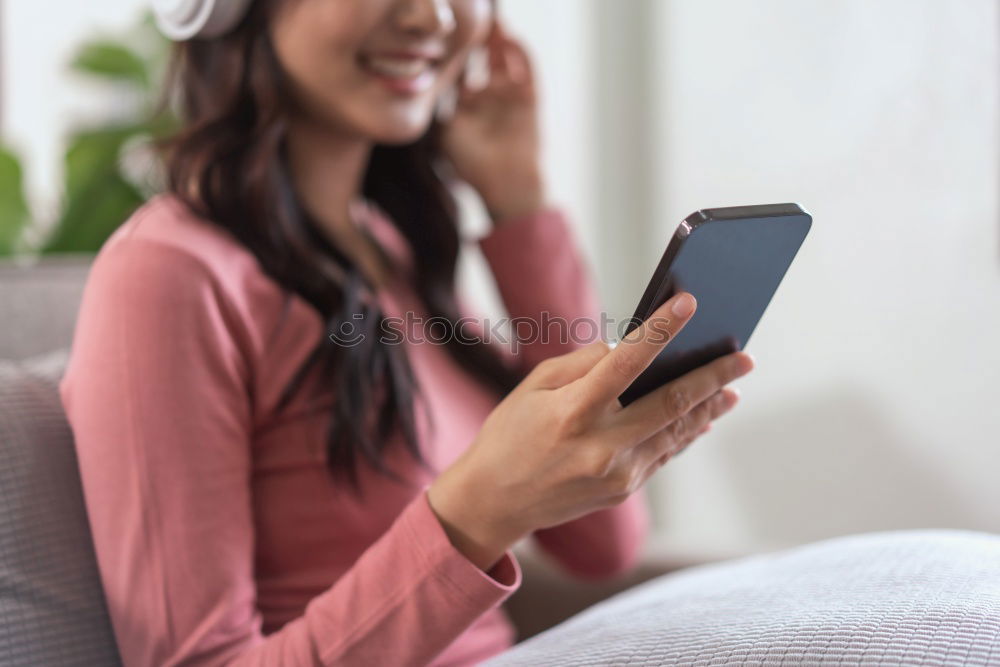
(42,296)
(895,598)
(52,609)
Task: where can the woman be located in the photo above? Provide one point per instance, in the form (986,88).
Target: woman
(270,477)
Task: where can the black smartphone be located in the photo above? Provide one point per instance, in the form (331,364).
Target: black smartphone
(732,260)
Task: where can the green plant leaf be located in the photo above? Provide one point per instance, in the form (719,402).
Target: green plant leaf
(97,198)
(114,61)
(14,213)
(88,221)
(93,154)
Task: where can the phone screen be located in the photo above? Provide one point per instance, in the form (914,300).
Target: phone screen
(732,260)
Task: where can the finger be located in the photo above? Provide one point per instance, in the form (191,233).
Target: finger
(688,427)
(663,406)
(495,49)
(518,62)
(469,98)
(502,73)
(708,425)
(555,372)
(509,62)
(682,431)
(662,461)
(616,371)
(670,442)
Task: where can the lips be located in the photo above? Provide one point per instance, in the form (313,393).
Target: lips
(398,67)
(403,72)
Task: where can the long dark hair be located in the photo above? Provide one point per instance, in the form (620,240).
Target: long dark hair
(228,164)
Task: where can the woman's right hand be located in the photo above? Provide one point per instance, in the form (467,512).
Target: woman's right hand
(561,445)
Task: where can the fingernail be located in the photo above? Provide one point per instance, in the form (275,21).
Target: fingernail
(683,305)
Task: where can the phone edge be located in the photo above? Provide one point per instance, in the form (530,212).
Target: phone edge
(644,309)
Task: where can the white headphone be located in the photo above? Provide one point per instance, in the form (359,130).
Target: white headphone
(190,19)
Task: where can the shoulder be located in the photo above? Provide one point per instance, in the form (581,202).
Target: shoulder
(166,263)
(165,241)
(164,227)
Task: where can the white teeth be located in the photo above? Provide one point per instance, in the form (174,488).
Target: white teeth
(398,68)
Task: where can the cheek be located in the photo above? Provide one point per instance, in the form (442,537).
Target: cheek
(316,41)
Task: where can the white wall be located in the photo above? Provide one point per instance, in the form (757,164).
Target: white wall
(876,403)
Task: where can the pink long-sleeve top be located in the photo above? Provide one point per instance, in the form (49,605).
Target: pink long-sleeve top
(220,535)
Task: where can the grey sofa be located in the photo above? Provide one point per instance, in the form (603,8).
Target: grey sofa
(918,597)
(52,608)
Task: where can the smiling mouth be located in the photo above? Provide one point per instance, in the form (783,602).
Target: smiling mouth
(402,73)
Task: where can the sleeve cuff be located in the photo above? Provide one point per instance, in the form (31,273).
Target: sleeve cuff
(487,589)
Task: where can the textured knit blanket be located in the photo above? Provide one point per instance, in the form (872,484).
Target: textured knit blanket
(893,598)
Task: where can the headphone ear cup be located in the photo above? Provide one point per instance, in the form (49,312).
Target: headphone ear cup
(180,20)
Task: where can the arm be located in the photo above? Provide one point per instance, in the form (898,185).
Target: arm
(545,284)
(157,396)
(539,269)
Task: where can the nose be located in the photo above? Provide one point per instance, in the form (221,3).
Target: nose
(426,17)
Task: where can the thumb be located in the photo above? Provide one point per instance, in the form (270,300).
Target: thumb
(555,372)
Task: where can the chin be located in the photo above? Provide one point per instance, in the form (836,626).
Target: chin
(398,137)
(399,130)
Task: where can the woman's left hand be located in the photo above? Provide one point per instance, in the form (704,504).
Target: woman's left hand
(492,139)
